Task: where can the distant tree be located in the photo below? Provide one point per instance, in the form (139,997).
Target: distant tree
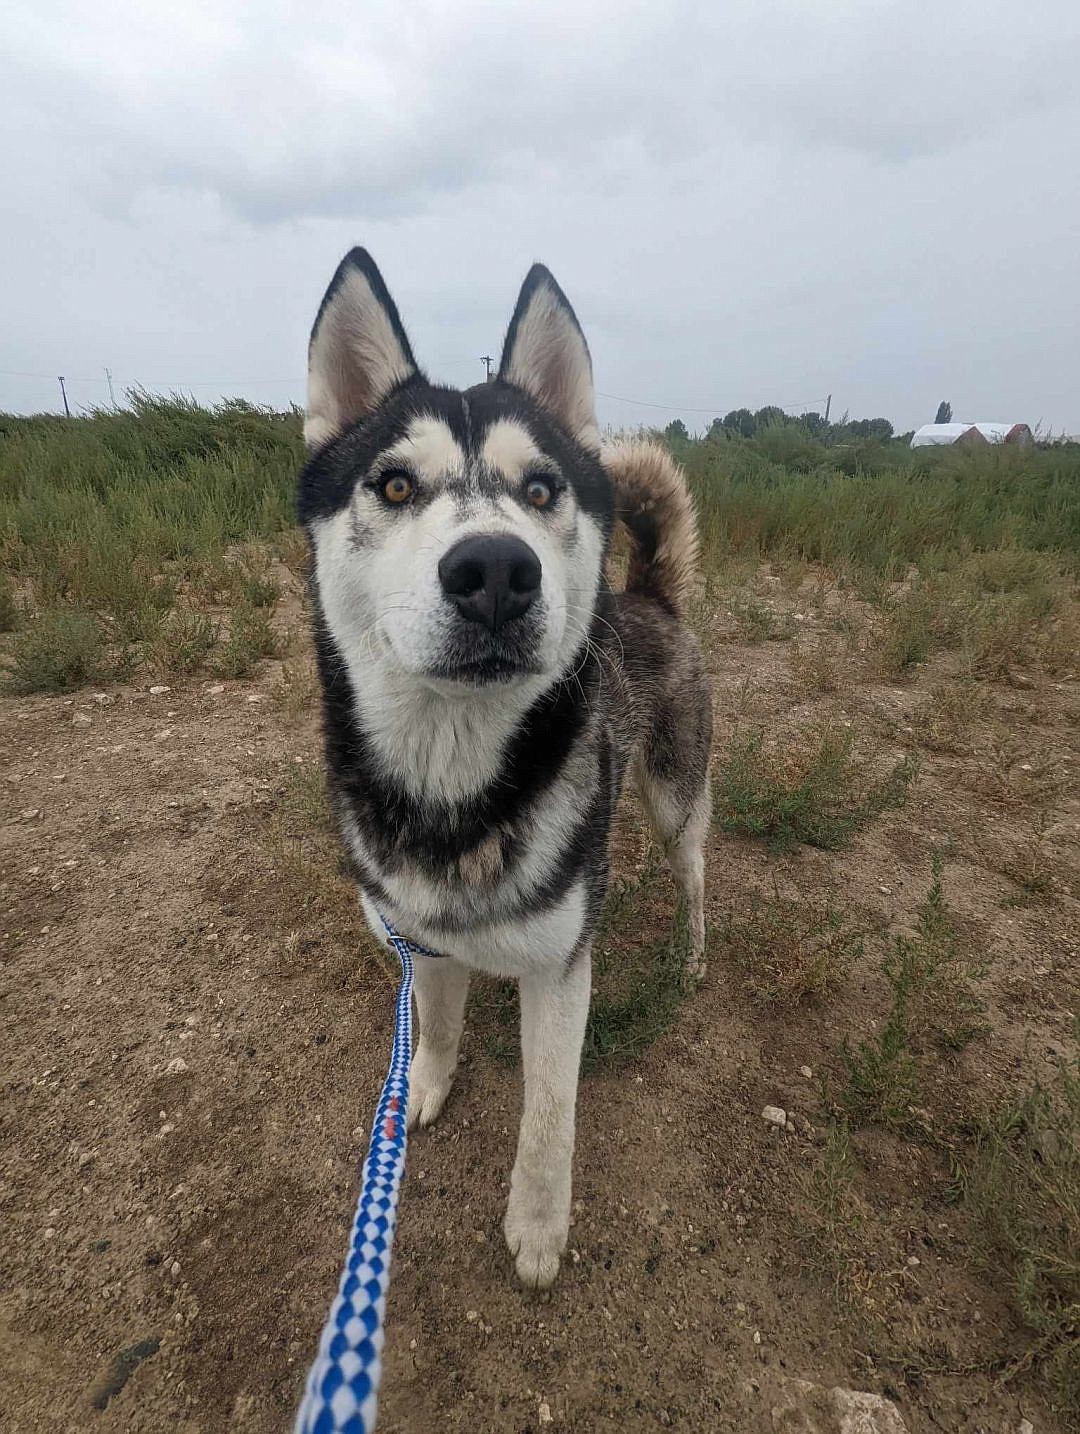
(676,429)
(716,429)
(814,424)
(740,420)
(944,412)
(880,428)
(769,417)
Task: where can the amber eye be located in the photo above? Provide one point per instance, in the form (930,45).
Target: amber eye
(397,488)
(538,492)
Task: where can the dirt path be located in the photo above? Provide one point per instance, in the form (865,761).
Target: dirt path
(194,1029)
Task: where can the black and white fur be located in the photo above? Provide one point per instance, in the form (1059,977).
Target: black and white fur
(475,762)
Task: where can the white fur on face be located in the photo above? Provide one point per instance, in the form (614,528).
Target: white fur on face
(378,580)
(509,449)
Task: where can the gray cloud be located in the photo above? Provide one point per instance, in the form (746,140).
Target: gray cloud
(748,203)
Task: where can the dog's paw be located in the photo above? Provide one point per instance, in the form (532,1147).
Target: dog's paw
(430,1079)
(537,1245)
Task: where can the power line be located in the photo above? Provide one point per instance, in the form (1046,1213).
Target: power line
(686,408)
(485,359)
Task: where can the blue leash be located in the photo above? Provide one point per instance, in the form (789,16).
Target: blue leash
(342,1392)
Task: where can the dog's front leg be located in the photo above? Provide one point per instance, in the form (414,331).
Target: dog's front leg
(554,1006)
(441,985)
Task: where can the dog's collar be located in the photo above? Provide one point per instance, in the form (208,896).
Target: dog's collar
(395,939)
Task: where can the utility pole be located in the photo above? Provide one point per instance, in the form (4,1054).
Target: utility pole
(108,380)
(828,405)
(487,361)
(63,390)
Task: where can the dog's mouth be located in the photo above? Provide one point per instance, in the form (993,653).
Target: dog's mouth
(479,659)
(484,671)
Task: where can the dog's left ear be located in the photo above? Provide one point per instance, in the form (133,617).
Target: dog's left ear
(358,351)
(545,353)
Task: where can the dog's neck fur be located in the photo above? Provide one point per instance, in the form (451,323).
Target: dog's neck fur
(430,777)
(444,748)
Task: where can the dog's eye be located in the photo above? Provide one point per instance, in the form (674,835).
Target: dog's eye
(397,487)
(538,492)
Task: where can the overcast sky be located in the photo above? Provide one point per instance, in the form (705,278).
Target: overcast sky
(748,202)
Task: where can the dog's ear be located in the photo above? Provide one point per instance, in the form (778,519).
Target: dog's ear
(358,350)
(545,353)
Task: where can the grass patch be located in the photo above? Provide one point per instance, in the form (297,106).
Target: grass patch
(1021,1184)
(814,667)
(251,638)
(840,1239)
(820,792)
(758,622)
(893,507)
(60,650)
(9,608)
(945,719)
(791,952)
(117,514)
(935,1006)
(180,642)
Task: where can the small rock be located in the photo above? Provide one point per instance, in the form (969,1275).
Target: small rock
(806,1073)
(472,1316)
(773,1115)
(217,689)
(163,735)
(81,719)
(544,1412)
(50,1233)
(158,689)
(1025,684)
(1026,1426)
(176,1066)
(859,1413)
(914,1261)
(103,699)
(174,1269)
(30,814)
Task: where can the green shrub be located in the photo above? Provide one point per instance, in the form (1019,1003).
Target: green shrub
(819,792)
(59,650)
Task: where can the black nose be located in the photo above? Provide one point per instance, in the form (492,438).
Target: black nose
(490,578)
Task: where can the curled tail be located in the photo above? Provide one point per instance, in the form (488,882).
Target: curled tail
(652,500)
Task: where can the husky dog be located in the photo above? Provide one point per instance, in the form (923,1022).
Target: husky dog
(485,690)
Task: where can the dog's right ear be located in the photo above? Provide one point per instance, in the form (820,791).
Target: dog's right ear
(358,350)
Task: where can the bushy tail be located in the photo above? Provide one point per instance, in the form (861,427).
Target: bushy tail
(652,500)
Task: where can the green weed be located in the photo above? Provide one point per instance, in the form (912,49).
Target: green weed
(790,952)
(179,643)
(934,1005)
(820,793)
(1021,1185)
(60,650)
(251,637)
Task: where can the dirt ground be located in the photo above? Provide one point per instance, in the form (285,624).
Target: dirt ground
(195,1027)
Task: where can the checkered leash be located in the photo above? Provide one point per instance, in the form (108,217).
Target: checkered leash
(342,1390)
